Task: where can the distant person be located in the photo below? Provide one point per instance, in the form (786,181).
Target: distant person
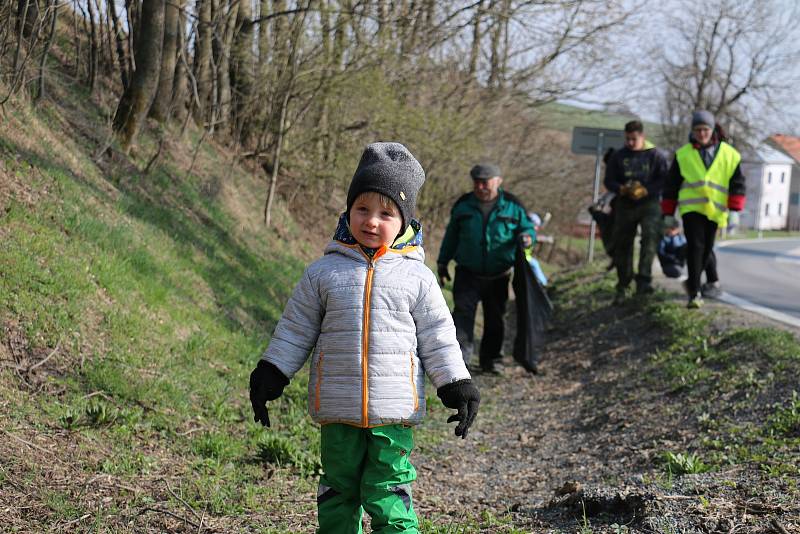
(636,174)
(482,238)
(374,321)
(533,262)
(672,249)
(602,211)
(704,182)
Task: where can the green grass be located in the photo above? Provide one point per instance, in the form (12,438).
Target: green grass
(737,383)
(157,309)
(564,117)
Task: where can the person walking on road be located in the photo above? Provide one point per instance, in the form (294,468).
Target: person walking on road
(482,236)
(636,174)
(705,181)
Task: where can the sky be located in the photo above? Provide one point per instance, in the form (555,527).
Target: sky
(651,35)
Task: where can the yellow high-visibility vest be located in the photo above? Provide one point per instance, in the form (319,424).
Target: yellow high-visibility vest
(706,190)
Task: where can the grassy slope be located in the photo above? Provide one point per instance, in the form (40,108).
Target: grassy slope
(152,296)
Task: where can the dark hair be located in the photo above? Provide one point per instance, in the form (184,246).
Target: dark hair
(634,126)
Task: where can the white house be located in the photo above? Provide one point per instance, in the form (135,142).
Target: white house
(791,146)
(769,175)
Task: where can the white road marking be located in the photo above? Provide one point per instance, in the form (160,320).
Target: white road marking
(762,310)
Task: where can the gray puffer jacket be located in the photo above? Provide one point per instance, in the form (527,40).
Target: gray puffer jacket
(373,328)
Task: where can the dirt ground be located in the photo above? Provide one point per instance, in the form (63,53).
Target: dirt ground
(576,448)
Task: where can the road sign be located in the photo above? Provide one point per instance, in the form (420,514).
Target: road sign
(594,140)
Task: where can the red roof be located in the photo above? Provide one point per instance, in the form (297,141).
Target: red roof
(789,144)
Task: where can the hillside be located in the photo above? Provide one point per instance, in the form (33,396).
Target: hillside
(564,117)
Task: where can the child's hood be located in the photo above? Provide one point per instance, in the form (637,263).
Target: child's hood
(409,244)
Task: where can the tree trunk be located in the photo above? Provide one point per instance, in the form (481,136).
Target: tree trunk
(180,83)
(92,47)
(52,10)
(225,21)
(120,40)
(131,12)
(136,100)
(162,103)
(276,160)
(496,34)
(27,17)
(475,49)
(263,34)
(242,71)
(202,60)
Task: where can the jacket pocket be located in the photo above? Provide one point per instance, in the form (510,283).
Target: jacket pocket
(414,382)
(318,385)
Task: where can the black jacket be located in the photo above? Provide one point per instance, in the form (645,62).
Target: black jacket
(648,166)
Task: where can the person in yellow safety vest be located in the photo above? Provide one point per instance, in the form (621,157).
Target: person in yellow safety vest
(705,181)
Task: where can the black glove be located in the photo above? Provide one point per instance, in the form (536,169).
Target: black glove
(266,384)
(441,270)
(464,397)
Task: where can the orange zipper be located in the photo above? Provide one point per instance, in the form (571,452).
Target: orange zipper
(319,381)
(365,334)
(414,383)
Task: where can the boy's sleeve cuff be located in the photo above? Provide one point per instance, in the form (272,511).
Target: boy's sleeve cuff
(668,206)
(736,202)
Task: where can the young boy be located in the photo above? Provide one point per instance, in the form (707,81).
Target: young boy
(373,318)
(672,249)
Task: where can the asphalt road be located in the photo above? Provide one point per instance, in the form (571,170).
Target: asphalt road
(764,273)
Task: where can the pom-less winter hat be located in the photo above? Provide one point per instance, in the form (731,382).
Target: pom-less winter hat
(702,116)
(389,169)
(484,171)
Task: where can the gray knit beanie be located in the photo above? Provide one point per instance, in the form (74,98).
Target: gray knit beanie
(702,116)
(389,169)
(484,171)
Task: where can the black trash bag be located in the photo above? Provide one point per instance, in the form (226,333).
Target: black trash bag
(533,311)
(605,223)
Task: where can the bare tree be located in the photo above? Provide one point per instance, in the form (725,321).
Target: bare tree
(735,59)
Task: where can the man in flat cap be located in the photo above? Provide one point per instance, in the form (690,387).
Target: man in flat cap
(481,236)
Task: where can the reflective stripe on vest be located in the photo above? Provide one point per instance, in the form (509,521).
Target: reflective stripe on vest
(706,190)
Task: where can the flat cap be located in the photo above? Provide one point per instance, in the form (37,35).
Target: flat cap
(484,171)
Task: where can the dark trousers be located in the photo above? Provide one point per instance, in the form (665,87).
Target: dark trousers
(627,218)
(700,234)
(468,291)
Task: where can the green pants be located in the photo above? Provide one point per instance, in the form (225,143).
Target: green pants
(366,469)
(627,217)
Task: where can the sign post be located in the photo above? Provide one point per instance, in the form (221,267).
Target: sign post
(595,141)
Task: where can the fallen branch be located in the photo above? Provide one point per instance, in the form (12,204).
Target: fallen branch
(777,527)
(167,512)
(78,520)
(186,504)
(28,443)
(41,362)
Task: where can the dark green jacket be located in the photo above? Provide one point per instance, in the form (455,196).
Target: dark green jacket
(488,248)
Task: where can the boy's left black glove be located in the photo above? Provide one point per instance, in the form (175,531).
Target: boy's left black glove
(266,384)
(464,397)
